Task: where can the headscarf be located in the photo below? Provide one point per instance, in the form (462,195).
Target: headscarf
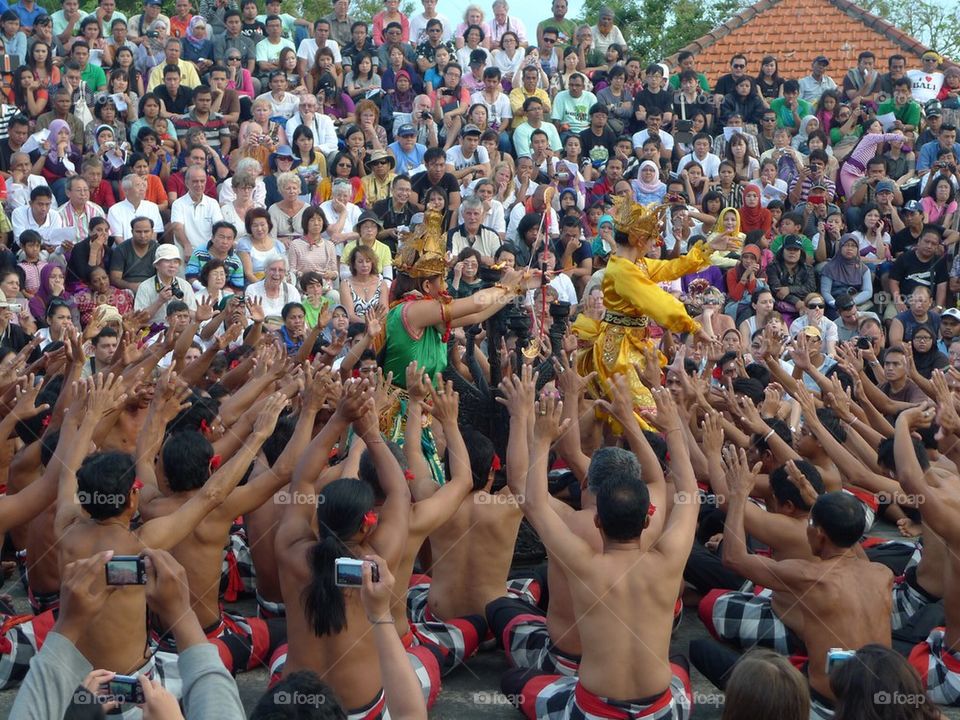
(649,187)
(843,271)
(191,28)
(802,134)
(718,227)
(599,246)
(752,250)
(38,303)
(403,101)
(155,45)
(932,359)
(55,127)
(96,135)
(754,218)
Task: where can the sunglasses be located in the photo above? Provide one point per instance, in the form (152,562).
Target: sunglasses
(232,58)
(550,40)
(376,162)
(816,306)
(738,66)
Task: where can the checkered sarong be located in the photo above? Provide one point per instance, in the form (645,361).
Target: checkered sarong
(527,645)
(564,698)
(908,598)
(426,666)
(237,574)
(21,637)
(939,669)
(821,708)
(270,610)
(747,619)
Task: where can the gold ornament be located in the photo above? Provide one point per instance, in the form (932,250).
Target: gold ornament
(424,251)
(638,222)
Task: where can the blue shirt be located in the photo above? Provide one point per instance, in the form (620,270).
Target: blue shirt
(928,154)
(27,17)
(407,161)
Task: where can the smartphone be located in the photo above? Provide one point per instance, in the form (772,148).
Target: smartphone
(349,572)
(126,570)
(126,689)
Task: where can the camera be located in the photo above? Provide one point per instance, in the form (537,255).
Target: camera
(152,34)
(837,656)
(15,308)
(126,570)
(126,689)
(864,343)
(177,292)
(426,115)
(349,572)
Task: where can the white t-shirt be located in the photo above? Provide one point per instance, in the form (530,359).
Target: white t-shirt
(455,157)
(332,216)
(308,51)
(418,28)
(710,164)
(566,292)
(197,218)
(924,86)
(273,306)
(497,112)
(120,215)
(666,139)
(267,51)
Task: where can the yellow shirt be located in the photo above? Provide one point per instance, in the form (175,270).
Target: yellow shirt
(188,75)
(518,97)
(381,250)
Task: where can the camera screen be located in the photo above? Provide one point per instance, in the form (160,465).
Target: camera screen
(125,691)
(350,574)
(124,572)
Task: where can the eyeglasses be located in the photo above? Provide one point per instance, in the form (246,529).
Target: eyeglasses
(922,338)
(816,306)
(769,119)
(551,41)
(232,58)
(284,158)
(739,66)
(380,162)
(345,165)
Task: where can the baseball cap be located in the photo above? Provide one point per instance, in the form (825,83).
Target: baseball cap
(152,2)
(933,108)
(471,130)
(792,242)
(822,60)
(886,186)
(913,206)
(407,129)
(812,331)
(367,215)
(845,302)
(951,313)
(166,251)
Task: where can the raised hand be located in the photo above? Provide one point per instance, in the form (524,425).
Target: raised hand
(204,309)
(800,482)
(230,336)
(27,392)
(417,381)
(376,595)
(649,373)
(105,395)
(749,416)
(621,405)
(266,420)
(712,435)
(357,395)
(918,417)
(255,309)
(519,393)
(549,423)
(806,402)
(772,395)
(740,477)
(667,418)
(446,402)
(374,318)
(569,381)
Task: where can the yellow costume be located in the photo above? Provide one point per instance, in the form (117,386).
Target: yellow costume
(632,299)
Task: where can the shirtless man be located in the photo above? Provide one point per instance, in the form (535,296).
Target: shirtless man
(551,643)
(626,637)
(327,629)
(843,600)
(938,658)
(111,494)
(187,460)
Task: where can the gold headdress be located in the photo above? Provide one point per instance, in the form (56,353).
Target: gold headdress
(638,222)
(424,251)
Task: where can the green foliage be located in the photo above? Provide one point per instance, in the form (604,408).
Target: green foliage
(655,29)
(935,24)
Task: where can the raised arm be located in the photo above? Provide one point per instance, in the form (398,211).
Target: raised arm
(418,389)
(165,532)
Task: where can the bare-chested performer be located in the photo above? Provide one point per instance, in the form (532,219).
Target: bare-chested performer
(843,600)
(328,630)
(938,658)
(109,495)
(550,642)
(188,460)
(623,596)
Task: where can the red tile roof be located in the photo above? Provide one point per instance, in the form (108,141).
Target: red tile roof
(797,31)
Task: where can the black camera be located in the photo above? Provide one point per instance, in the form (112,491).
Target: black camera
(864,343)
(177,292)
(426,115)
(559,310)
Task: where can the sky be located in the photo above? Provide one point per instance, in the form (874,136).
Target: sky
(529,12)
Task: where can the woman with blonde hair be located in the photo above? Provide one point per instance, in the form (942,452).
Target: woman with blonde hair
(365,289)
(473,15)
(287,213)
(260,136)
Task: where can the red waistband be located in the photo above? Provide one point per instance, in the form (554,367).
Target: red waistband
(619,710)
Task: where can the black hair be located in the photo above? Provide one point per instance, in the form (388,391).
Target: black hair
(841,517)
(104,481)
(750,387)
(202,410)
(277,442)
(186,460)
(780,429)
(32,429)
(48,446)
(340,511)
(481,453)
(275,705)
(887,459)
(622,505)
(367,471)
(759,372)
(785,491)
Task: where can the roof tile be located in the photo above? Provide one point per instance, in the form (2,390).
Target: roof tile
(797,31)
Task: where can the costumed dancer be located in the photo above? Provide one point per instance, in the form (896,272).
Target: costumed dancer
(422,314)
(616,344)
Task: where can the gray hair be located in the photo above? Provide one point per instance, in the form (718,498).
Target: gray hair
(500,3)
(287,178)
(243,179)
(249,166)
(273,257)
(472,203)
(128,181)
(611,462)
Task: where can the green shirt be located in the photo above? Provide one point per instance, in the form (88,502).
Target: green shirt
(566,28)
(94,77)
(429,350)
(778,242)
(785,114)
(701,78)
(908,113)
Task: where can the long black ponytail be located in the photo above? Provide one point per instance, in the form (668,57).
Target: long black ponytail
(340,510)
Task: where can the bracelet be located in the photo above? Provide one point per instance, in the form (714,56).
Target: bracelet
(381,621)
(875,363)
(768,435)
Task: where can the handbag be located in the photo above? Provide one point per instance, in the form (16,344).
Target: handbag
(80,109)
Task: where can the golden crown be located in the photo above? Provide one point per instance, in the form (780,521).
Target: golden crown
(638,222)
(424,250)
